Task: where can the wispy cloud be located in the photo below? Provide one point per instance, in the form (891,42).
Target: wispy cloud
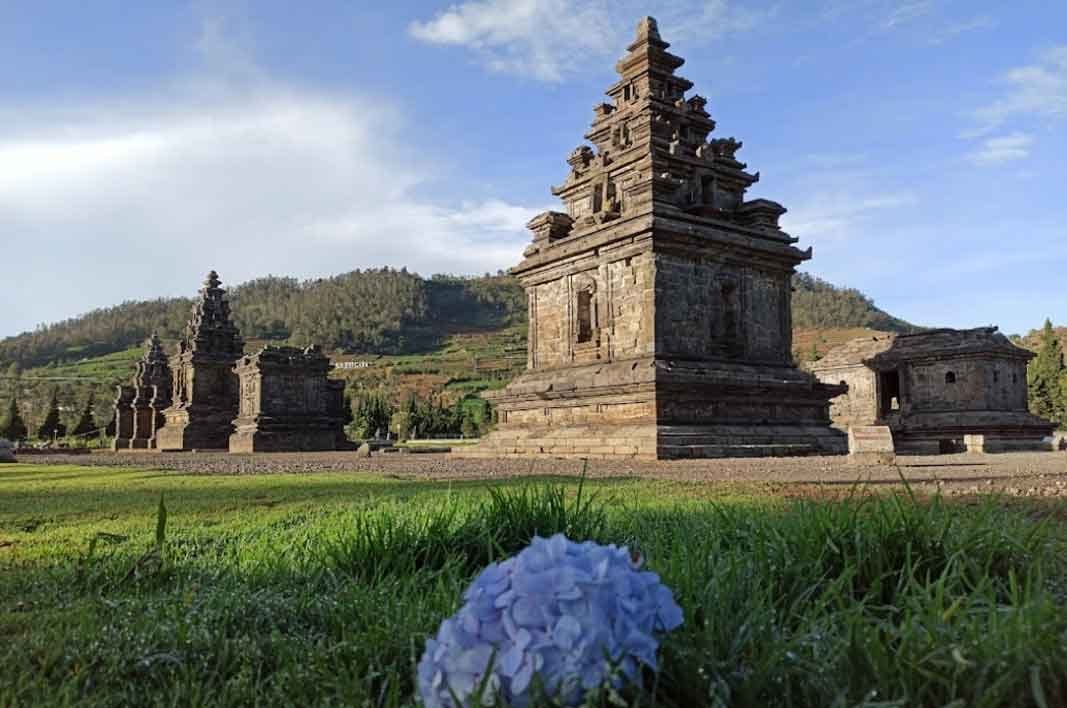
(250,178)
(839,215)
(548,40)
(1037,89)
(541,39)
(905,12)
(1005,148)
(955,29)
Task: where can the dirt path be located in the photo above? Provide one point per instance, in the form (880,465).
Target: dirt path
(1018,474)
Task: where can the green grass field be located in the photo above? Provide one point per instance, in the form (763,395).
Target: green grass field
(320,589)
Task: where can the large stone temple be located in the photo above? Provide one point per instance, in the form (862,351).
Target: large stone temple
(659,300)
(204,401)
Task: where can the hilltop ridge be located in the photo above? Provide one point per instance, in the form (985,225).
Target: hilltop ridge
(385,311)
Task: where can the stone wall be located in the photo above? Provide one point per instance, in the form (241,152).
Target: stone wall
(621,314)
(976,384)
(722,310)
(860,405)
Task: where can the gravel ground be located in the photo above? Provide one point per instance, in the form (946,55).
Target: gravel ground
(1015,474)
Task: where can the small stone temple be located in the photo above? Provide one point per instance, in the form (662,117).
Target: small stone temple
(205,394)
(287,402)
(941,390)
(139,407)
(659,299)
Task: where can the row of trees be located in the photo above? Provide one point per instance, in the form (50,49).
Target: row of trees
(374,414)
(13,427)
(1047,378)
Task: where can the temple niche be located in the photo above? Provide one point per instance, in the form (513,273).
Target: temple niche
(288,403)
(139,407)
(659,298)
(205,393)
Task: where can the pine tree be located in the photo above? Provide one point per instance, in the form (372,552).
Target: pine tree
(1045,375)
(52,425)
(86,423)
(13,428)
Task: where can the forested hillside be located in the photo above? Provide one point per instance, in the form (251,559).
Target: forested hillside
(384,311)
(818,304)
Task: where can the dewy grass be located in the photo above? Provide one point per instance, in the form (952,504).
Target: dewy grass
(326,595)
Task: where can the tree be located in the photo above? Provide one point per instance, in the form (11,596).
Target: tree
(372,416)
(52,425)
(86,423)
(13,427)
(1045,377)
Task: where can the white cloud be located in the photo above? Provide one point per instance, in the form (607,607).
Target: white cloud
(541,39)
(833,216)
(547,40)
(949,32)
(140,197)
(906,12)
(1005,148)
(1038,89)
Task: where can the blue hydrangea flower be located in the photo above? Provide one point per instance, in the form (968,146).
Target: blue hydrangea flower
(577,615)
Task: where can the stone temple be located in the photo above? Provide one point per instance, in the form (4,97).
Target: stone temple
(942,390)
(204,401)
(288,403)
(139,407)
(659,300)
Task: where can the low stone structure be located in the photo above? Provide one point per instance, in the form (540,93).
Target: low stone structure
(871,444)
(139,407)
(7,451)
(942,390)
(205,392)
(659,302)
(288,403)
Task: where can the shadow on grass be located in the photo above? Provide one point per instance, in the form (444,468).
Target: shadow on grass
(135,493)
(800,606)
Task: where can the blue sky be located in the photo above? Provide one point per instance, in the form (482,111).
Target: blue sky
(919,145)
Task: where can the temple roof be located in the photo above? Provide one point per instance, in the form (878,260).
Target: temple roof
(210,328)
(883,350)
(648,153)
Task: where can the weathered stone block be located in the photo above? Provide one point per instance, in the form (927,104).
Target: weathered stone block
(871,444)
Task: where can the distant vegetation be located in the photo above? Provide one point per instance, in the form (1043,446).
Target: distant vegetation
(383,311)
(442,339)
(818,304)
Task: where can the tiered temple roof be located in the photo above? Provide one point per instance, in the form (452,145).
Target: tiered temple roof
(651,154)
(210,329)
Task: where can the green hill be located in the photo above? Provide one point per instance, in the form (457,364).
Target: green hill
(402,333)
(818,304)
